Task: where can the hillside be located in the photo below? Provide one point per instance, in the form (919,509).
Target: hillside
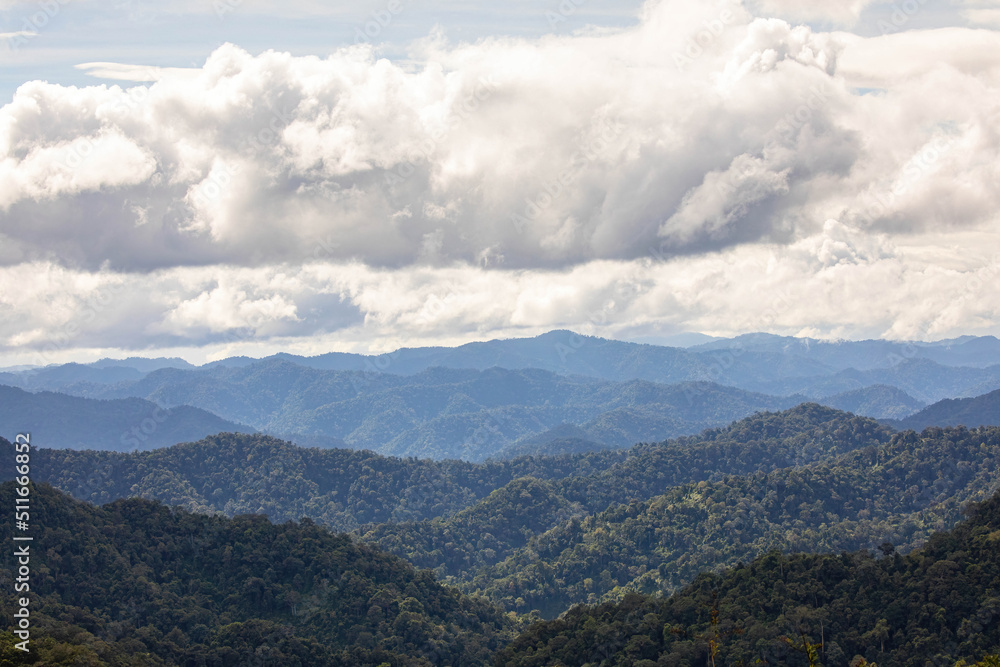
(257,474)
(61,421)
(879,402)
(235,474)
(760,363)
(933,606)
(439,413)
(923,379)
(134,582)
(899,493)
(978,411)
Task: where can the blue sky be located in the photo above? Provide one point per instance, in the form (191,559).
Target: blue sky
(172,35)
(206,179)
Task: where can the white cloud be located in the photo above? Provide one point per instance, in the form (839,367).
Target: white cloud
(892,60)
(981,12)
(513,185)
(986,17)
(82,164)
(134,73)
(842,281)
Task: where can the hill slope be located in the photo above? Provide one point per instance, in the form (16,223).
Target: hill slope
(878,401)
(439,413)
(930,607)
(134,579)
(979,411)
(900,493)
(61,421)
(240,474)
(235,474)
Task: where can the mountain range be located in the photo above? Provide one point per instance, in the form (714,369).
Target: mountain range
(535,536)
(128,424)
(754,362)
(599,395)
(544,533)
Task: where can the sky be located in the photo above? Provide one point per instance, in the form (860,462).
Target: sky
(222,177)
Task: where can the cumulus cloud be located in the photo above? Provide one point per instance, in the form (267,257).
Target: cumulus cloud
(666,175)
(546,153)
(842,281)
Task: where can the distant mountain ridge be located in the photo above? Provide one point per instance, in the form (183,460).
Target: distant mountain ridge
(879,401)
(971,412)
(440,413)
(129,424)
(757,362)
(496,398)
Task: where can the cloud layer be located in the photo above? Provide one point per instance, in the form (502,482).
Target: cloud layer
(672,176)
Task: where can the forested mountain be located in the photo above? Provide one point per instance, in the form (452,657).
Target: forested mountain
(761,444)
(134,583)
(508,398)
(879,401)
(978,411)
(934,606)
(441,413)
(563,439)
(924,380)
(236,474)
(240,474)
(58,420)
(757,362)
(899,493)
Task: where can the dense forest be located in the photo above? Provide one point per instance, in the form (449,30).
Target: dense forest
(136,583)
(488,532)
(239,473)
(899,493)
(937,606)
(544,533)
(257,474)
